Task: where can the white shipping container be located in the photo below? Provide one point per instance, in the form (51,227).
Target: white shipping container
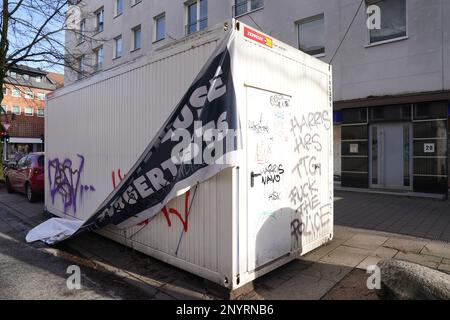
(245,221)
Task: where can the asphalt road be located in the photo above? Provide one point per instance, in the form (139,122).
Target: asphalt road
(37,271)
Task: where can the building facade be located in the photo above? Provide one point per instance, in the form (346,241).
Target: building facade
(390,58)
(23,107)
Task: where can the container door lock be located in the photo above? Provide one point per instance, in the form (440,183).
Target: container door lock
(252,178)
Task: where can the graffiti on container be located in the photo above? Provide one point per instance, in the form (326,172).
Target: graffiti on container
(165,211)
(312,214)
(280,101)
(274,196)
(307,166)
(65,182)
(272,173)
(311,223)
(312,121)
(303,133)
(259,126)
(113,176)
(263,152)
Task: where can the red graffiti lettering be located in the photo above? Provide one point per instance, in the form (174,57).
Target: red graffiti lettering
(165,211)
(175,212)
(113,175)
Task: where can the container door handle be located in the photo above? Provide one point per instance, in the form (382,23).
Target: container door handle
(252,178)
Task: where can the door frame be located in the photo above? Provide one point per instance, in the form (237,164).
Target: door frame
(411,157)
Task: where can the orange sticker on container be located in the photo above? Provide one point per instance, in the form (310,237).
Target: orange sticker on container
(258,37)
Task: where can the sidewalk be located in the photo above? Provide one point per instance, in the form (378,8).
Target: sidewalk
(338,269)
(334,271)
(419,217)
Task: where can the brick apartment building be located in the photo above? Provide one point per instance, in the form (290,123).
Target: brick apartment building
(24,108)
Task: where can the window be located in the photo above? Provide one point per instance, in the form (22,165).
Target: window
(311,35)
(41,96)
(16,109)
(244,6)
(160,27)
(82,33)
(26,77)
(16,93)
(197,16)
(136,37)
(38,79)
(28,111)
(40,112)
(5,91)
(118,47)
(135,2)
(80,67)
(29,94)
(4,108)
(99,20)
(13,74)
(118,7)
(393,20)
(98,58)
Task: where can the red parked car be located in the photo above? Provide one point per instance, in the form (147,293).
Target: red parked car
(26,175)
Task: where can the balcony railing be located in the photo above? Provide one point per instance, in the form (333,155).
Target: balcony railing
(245,7)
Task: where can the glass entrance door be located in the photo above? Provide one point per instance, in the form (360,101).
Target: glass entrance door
(390,156)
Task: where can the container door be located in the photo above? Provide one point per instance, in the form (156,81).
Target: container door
(267,162)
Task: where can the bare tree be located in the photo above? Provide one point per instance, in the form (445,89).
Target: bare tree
(32,32)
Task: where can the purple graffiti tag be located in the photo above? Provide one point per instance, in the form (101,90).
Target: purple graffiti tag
(64,181)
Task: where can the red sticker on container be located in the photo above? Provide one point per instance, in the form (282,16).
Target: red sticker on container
(258,37)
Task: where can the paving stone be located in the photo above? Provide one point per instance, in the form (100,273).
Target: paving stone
(369,261)
(301,287)
(438,249)
(322,251)
(352,287)
(419,217)
(428,261)
(405,244)
(444,267)
(342,233)
(327,271)
(346,256)
(366,241)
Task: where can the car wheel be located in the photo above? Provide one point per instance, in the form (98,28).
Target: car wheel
(30,194)
(8,186)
